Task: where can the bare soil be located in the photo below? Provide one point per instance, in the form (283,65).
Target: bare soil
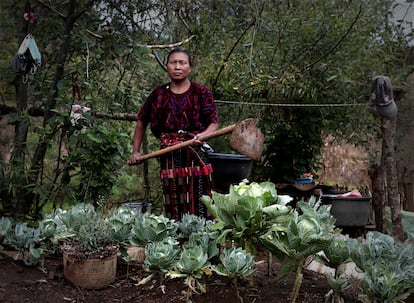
(19,283)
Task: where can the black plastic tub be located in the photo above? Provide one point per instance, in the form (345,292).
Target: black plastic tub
(229,169)
(349,211)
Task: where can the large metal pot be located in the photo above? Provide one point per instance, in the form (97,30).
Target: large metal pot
(229,169)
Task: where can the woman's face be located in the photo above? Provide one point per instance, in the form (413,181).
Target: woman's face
(178,66)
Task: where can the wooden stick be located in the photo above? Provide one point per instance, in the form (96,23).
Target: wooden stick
(187,143)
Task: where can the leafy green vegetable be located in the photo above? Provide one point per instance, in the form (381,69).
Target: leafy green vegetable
(192,261)
(192,265)
(338,285)
(58,225)
(334,255)
(152,228)
(235,263)
(6,225)
(247,212)
(161,255)
(121,220)
(388,267)
(25,239)
(190,224)
(205,240)
(83,230)
(310,230)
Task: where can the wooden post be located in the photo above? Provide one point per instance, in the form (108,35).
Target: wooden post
(408,187)
(388,130)
(378,196)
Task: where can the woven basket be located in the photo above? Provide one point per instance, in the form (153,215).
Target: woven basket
(91,273)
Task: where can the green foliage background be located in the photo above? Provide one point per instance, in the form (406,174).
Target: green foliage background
(302,69)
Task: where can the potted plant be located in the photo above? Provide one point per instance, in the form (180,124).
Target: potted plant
(88,244)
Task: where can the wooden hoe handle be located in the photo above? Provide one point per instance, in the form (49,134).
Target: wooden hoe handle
(187,143)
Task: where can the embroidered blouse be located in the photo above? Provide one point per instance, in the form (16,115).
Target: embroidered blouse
(167,112)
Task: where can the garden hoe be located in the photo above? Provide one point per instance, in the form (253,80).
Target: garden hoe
(245,139)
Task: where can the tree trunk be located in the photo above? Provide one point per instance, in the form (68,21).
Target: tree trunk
(388,128)
(50,105)
(16,202)
(19,153)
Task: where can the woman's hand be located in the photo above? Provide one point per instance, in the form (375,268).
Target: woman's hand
(196,141)
(135,158)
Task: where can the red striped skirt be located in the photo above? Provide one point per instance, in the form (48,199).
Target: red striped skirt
(186,176)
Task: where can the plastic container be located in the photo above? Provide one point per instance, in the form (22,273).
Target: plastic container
(229,169)
(304,181)
(139,207)
(349,211)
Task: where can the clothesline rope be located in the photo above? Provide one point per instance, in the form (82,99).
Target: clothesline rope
(292,104)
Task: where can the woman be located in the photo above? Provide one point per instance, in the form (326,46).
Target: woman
(178,111)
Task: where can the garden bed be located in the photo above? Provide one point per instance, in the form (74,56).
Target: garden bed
(19,283)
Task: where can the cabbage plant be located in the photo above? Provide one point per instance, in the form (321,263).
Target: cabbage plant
(310,230)
(190,224)
(191,266)
(69,224)
(235,263)
(121,220)
(84,231)
(25,239)
(6,225)
(388,267)
(57,225)
(247,212)
(334,256)
(159,257)
(205,240)
(152,228)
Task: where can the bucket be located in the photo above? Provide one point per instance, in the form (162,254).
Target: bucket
(351,211)
(139,207)
(229,169)
(91,273)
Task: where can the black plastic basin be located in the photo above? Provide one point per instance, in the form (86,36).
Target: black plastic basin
(229,169)
(349,211)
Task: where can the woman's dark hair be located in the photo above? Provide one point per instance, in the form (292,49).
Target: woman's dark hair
(180,50)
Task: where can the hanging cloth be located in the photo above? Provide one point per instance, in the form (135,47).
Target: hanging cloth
(28,57)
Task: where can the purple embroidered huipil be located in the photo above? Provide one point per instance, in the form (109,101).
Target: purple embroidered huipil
(186,173)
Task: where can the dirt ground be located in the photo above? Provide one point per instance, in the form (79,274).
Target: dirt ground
(19,283)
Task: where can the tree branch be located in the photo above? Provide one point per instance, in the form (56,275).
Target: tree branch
(40,112)
(309,66)
(52,9)
(223,65)
(156,46)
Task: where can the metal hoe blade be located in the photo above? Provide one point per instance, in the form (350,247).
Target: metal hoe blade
(247,139)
